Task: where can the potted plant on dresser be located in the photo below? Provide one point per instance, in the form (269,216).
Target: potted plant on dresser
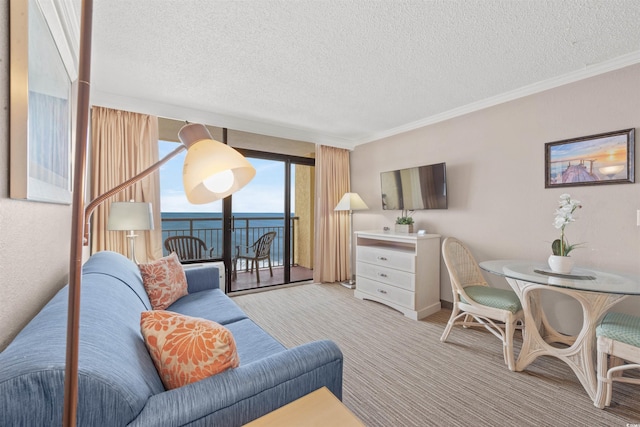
(404,223)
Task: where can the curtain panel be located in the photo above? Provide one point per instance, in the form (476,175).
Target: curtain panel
(124,144)
(332,262)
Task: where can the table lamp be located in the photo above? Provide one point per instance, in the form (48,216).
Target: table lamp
(130,216)
(351,202)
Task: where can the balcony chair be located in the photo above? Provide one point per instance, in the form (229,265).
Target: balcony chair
(618,341)
(259,250)
(188,248)
(475,303)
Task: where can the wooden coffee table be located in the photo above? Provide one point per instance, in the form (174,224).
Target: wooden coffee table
(319,408)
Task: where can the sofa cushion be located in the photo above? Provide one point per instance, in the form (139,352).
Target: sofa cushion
(212,304)
(252,342)
(164,280)
(187,349)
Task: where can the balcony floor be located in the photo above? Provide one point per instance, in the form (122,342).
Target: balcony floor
(247,280)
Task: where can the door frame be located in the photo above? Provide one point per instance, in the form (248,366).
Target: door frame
(227,204)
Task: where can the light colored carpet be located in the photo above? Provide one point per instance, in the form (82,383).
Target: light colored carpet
(398,373)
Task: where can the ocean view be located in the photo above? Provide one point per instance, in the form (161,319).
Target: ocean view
(248,227)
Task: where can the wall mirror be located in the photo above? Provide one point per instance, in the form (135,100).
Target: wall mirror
(43,68)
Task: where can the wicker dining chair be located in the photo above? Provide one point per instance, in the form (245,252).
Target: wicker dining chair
(618,341)
(475,303)
(259,250)
(188,247)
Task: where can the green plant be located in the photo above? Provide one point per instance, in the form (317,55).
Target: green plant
(405,219)
(564,216)
(560,248)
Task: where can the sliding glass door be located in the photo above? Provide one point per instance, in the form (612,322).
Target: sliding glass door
(268,224)
(277,205)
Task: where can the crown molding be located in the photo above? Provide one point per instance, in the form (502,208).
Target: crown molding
(572,77)
(219,119)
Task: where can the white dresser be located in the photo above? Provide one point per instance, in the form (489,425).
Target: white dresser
(401,270)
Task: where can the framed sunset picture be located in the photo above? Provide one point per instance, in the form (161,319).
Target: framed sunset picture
(606,158)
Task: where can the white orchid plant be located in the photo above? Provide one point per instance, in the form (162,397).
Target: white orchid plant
(564,216)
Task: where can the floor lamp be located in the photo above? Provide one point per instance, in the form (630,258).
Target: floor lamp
(351,202)
(130,216)
(212,171)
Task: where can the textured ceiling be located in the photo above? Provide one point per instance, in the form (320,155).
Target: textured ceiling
(347,72)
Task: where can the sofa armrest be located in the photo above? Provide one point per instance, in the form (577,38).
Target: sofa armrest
(202,278)
(240,395)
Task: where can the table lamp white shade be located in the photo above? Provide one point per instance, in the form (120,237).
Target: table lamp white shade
(351,202)
(126,216)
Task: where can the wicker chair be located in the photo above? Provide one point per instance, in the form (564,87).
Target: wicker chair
(259,250)
(618,341)
(188,247)
(475,303)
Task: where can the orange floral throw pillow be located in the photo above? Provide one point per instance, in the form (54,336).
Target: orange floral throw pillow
(186,349)
(164,280)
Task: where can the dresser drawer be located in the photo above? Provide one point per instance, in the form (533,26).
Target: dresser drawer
(393,258)
(389,276)
(387,292)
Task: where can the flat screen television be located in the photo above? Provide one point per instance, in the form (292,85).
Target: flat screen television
(422,187)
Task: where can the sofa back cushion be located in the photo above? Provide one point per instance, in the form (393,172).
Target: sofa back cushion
(120,268)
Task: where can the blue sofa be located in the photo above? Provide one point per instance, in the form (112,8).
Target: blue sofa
(118,384)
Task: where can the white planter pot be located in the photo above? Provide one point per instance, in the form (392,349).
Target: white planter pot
(561,264)
(404,228)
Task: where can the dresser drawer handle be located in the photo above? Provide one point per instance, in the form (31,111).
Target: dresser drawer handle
(382,291)
(381,258)
(382,275)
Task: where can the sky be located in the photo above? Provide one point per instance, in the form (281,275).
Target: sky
(608,150)
(265,193)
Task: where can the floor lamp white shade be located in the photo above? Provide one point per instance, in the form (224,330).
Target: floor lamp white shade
(351,202)
(130,216)
(206,180)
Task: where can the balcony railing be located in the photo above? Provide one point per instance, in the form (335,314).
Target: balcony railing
(245,231)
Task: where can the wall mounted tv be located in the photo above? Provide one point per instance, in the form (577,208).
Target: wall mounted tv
(423,187)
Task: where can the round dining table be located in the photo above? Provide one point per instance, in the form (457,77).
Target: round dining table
(596,291)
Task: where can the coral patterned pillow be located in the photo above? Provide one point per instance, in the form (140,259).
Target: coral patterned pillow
(164,280)
(186,349)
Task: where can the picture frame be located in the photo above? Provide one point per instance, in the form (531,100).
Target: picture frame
(605,158)
(41,76)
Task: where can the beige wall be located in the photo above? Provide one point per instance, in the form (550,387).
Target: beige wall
(495,164)
(34,237)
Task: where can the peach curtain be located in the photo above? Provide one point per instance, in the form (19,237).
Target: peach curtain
(331,261)
(124,144)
